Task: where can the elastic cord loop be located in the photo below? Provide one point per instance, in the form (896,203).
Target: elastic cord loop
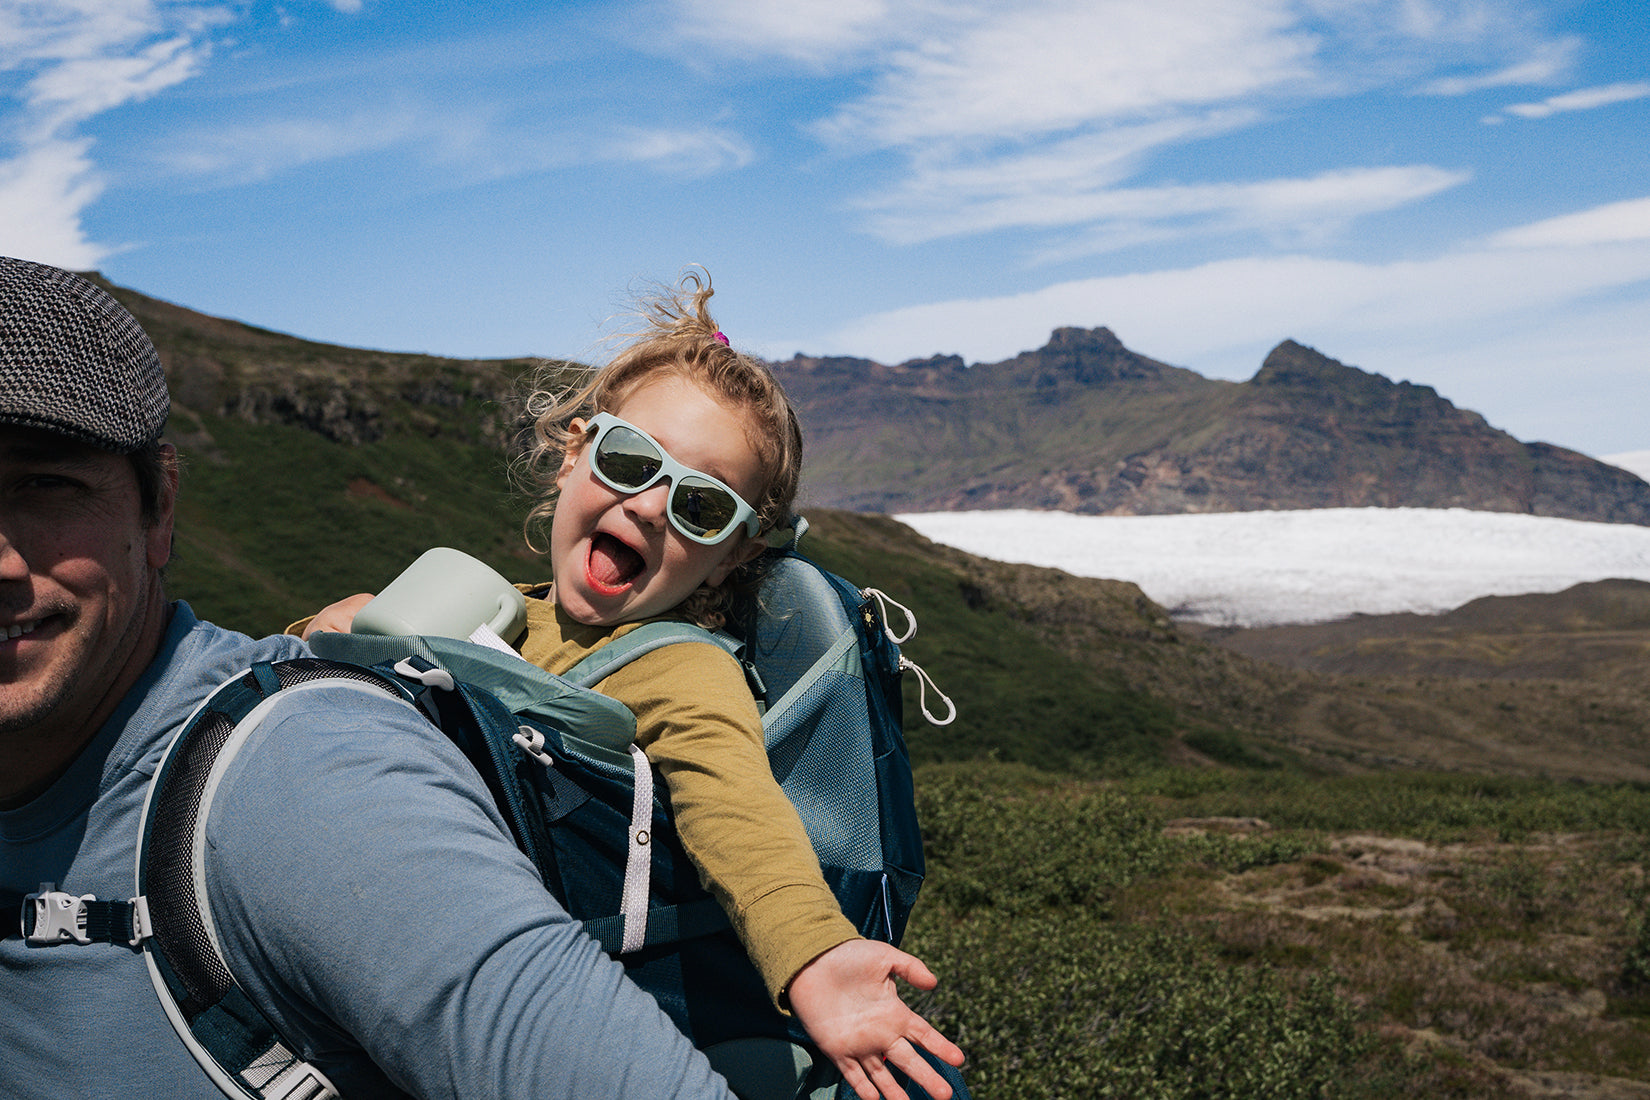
(924,682)
(883,601)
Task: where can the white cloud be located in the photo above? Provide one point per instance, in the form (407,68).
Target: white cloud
(1616,222)
(681,152)
(1054,184)
(810,31)
(1048,67)
(1225,314)
(469,146)
(1550,61)
(242,154)
(1049,190)
(42,192)
(33,33)
(1036,114)
(78,88)
(81,58)
(1584,99)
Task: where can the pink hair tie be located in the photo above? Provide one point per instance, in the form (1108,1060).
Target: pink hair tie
(723,338)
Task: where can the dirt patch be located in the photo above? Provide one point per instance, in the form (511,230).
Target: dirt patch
(361,487)
(1507,955)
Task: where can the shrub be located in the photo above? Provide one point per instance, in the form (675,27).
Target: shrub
(1056,1006)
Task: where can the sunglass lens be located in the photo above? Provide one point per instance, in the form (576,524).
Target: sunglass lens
(702,507)
(626,458)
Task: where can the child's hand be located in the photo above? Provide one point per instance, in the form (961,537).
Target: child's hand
(847,1000)
(337,617)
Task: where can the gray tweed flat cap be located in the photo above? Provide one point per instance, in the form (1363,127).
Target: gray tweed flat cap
(73,361)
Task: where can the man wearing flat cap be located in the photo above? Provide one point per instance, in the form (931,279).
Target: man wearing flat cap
(362,885)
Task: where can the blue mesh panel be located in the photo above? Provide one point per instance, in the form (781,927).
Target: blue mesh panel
(801,616)
(832,778)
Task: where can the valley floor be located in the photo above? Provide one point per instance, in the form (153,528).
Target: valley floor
(1270,937)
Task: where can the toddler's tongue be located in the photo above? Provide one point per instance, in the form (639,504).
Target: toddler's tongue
(612,564)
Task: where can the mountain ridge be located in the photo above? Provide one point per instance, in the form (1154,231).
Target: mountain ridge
(1083,424)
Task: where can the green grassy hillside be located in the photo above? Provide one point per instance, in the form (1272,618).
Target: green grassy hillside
(276,521)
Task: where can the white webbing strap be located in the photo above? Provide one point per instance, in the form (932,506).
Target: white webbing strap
(638,859)
(485,635)
(277,1074)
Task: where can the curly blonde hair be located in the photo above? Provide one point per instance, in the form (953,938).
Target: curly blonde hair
(678,338)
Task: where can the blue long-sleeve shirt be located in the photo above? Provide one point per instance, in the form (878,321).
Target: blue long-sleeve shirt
(365,891)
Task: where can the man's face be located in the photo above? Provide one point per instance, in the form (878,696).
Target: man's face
(81,609)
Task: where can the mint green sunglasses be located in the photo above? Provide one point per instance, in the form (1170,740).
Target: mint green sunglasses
(629,460)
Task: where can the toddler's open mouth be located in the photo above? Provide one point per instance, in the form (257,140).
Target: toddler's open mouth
(611,565)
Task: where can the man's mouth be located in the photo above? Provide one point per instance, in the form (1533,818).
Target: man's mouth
(611,565)
(17,630)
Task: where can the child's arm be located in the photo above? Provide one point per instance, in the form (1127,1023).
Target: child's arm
(335,616)
(847,1000)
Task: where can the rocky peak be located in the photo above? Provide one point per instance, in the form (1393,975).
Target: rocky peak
(1306,378)
(1296,365)
(1085,356)
(939,364)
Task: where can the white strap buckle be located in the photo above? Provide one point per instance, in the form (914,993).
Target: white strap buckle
(429,677)
(59,917)
(531,742)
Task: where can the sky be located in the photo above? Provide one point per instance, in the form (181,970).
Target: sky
(1268,568)
(1450,192)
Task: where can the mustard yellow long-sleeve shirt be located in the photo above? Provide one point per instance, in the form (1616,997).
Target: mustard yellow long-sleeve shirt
(698,724)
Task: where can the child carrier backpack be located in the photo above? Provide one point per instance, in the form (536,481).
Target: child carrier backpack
(583,804)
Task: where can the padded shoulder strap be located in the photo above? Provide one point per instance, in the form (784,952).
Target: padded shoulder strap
(613,656)
(229,1036)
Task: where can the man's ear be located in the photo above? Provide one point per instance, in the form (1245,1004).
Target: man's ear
(159,534)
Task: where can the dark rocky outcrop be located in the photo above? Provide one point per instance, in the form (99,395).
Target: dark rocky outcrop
(1085,425)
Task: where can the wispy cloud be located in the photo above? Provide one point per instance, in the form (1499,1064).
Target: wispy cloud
(255,151)
(1583,99)
(1054,113)
(1055,66)
(813,32)
(80,59)
(1075,185)
(1550,61)
(1615,223)
(1198,314)
(694,152)
(1288,212)
(469,145)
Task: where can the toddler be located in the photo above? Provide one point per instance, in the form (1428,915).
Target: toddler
(679,456)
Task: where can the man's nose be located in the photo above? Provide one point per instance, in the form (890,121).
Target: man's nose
(13,566)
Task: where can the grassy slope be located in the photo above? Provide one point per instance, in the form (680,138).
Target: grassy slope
(275,522)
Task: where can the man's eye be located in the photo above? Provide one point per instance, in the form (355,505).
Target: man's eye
(46,482)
